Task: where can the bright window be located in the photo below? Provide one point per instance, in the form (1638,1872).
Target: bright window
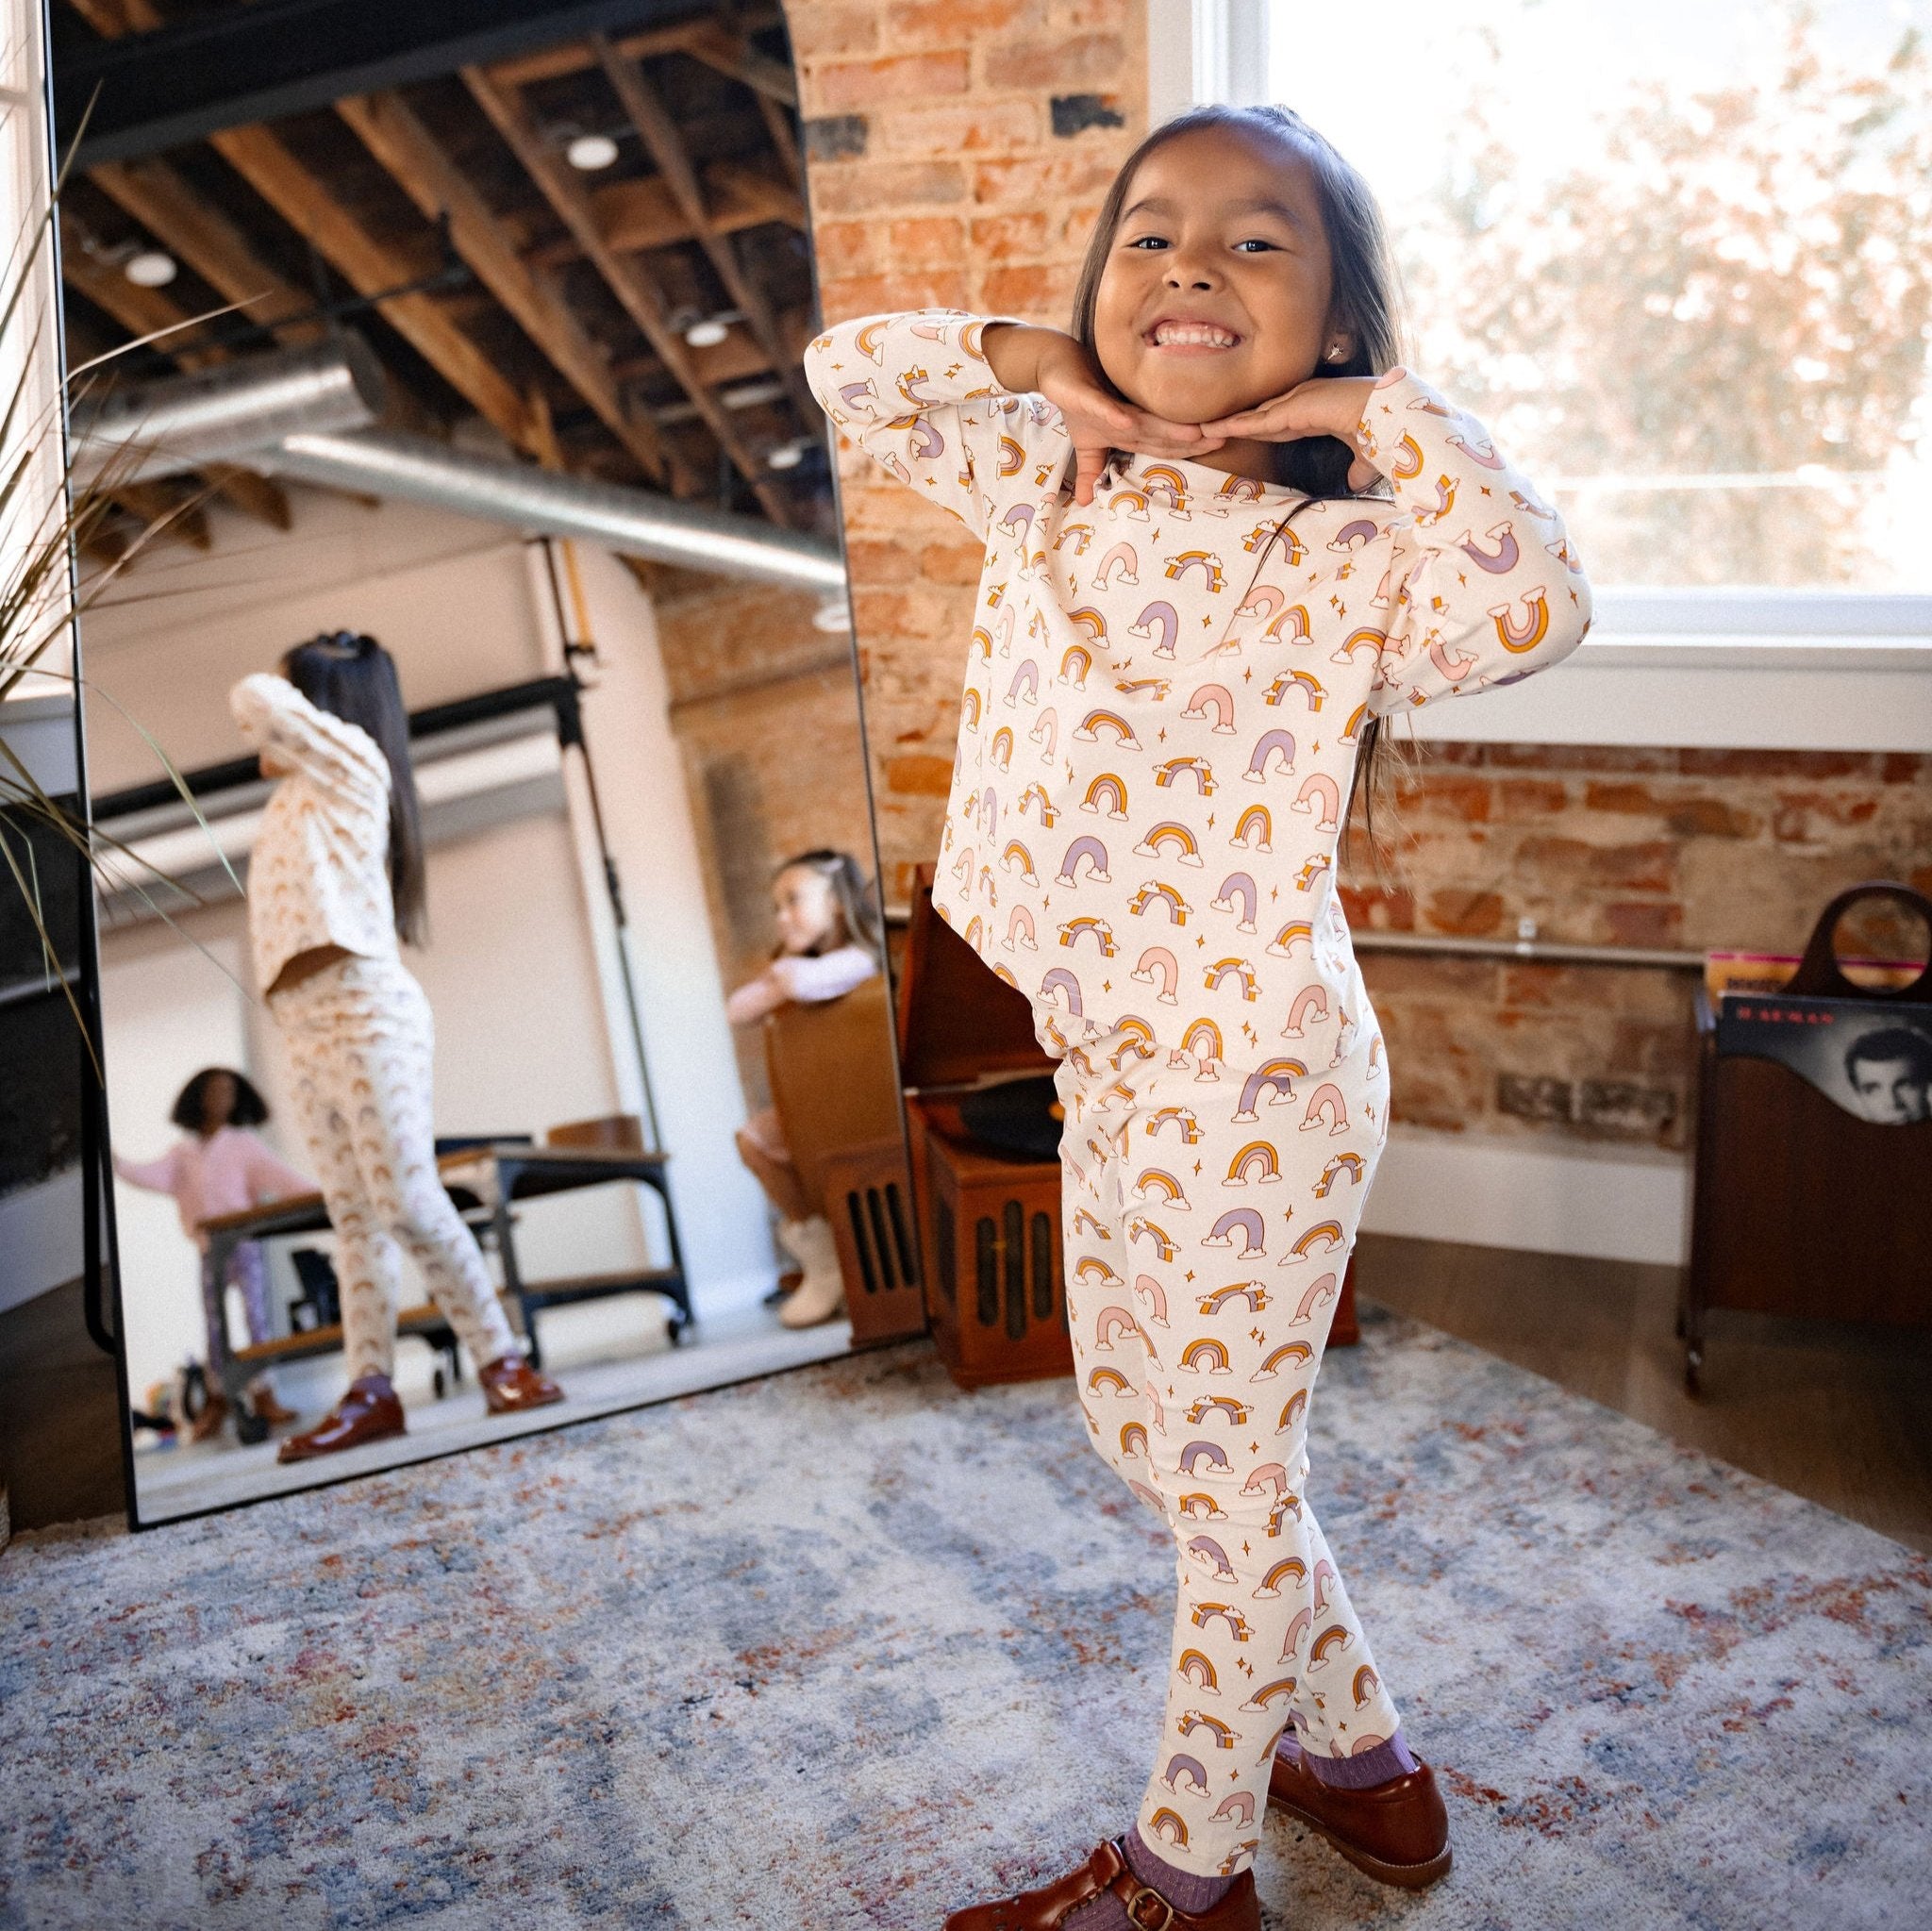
(1677,253)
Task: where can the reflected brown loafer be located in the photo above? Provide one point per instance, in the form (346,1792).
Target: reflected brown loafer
(1397,1832)
(1107,1870)
(368,1412)
(511,1385)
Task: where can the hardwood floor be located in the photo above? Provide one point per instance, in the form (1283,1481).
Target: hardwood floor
(1839,1413)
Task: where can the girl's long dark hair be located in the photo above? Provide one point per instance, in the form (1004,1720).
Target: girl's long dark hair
(1364,303)
(352,677)
(250,1108)
(854,897)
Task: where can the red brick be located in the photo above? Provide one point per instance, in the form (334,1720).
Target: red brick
(921,774)
(866,186)
(1046,293)
(872,561)
(1444,794)
(1032,180)
(1467,914)
(1704,762)
(1689,815)
(956,23)
(1529,800)
(819,30)
(1581,756)
(1903,767)
(1002,238)
(1378,908)
(967,127)
(871,295)
(858,86)
(1058,66)
(951,562)
(1648,867)
(1643,923)
(845,248)
(925,241)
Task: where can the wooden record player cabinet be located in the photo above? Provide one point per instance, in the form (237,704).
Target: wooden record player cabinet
(989,1222)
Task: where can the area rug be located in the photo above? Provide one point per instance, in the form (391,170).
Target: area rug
(845,1647)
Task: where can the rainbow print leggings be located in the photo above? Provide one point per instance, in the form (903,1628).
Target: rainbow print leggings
(361,1042)
(1207,1216)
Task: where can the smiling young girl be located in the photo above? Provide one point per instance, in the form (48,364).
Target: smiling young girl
(1225,537)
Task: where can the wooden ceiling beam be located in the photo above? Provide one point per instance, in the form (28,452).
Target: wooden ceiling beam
(146,311)
(304,201)
(552,63)
(639,294)
(391,130)
(189,228)
(637,216)
(648,114)
(733,55)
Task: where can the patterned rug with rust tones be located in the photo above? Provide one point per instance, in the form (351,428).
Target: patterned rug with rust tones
(845,1647)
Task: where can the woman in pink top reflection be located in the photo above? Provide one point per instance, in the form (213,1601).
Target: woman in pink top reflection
(221,1166)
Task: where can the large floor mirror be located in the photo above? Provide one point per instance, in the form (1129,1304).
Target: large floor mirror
(479,339)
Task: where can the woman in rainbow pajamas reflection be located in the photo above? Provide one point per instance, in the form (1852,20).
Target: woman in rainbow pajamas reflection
(1227,535)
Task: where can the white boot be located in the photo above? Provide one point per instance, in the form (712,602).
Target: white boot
(821,1294)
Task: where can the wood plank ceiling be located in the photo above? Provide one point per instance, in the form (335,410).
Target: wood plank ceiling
(446,222)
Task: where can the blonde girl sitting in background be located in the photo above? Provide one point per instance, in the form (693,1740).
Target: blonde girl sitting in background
(828,942)
(1226,535)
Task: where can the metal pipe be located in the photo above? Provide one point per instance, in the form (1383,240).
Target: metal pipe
(227,413)
(1532,951)
(632,522)
(305,413)
(1524,951)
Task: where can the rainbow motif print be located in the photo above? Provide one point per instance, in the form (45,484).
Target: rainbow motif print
(1187,664)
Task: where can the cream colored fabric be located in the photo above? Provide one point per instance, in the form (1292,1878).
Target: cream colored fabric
(361,1041)
(1165,691)
(318,875)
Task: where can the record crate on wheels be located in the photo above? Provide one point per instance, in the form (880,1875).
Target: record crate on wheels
(989,1215)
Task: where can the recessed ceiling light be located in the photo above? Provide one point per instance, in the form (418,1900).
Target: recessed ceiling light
(706,334)
(788,455)
(589,152)
(150,269)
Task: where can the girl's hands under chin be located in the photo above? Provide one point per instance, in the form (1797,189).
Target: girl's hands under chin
(1323,405)
(1057,367)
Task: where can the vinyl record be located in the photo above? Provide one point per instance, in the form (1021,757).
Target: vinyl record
(1020,1117)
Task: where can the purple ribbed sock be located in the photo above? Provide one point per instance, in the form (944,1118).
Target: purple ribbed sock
(1181,1888)
(1363,1771)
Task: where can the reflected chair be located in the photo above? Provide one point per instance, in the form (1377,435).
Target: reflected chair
(835,1089)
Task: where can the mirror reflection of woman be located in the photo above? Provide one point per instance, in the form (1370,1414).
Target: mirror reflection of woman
(336,878)
(828,943)
(220,1165)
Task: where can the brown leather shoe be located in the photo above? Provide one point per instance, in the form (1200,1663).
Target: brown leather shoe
(1397,1832)
(1107,1870)
(368,1412)
(265,1407)
(214,1412)
(511,1385)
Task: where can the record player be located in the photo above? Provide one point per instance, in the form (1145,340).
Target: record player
(983,1126)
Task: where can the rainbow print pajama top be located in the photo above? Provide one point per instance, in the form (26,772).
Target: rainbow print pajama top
(1163,699)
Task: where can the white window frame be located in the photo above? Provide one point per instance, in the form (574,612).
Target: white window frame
(1731,668)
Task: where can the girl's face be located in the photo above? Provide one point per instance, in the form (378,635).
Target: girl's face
(806,908)
(217,1103)
(1217,289)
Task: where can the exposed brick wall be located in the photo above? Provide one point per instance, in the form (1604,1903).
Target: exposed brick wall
(766,718)
(1686,849)
(958,151)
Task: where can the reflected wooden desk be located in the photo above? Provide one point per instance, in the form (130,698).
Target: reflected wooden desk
(484,1179)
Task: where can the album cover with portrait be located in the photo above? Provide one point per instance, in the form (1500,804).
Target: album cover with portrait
(1873,1057)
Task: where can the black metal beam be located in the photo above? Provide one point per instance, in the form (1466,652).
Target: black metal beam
(278,57)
